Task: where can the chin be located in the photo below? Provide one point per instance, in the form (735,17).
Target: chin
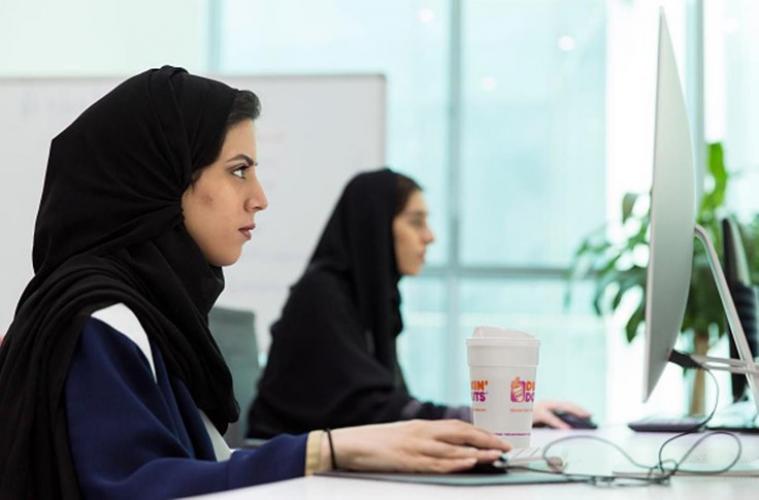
(224,260)
(413,271)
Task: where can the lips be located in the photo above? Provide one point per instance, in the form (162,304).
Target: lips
(246,230)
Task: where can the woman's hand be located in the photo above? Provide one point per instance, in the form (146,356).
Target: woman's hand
(413,446)
(543,413)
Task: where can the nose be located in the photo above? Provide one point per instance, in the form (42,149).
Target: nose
(257,200)
(429,236)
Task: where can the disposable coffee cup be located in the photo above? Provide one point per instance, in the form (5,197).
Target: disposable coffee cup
(502,367)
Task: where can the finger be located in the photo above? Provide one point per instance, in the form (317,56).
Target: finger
(566,406)
(457,432)
(457,465)
(438,449)
(551,420)
(573,408)
(488,456)
(442,465)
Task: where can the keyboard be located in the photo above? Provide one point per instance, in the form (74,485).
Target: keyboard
(665,424)
(737,417)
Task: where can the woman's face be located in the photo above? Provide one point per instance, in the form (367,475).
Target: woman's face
(220,207)
(411,235)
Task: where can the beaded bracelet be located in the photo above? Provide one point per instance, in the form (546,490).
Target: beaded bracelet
(331,449)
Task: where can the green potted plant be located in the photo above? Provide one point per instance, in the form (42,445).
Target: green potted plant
(617,266)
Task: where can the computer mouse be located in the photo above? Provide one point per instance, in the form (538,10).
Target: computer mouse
(574,421)
(497,467)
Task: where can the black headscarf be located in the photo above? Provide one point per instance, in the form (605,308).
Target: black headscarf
(332,361)
(110,229)
(358,245)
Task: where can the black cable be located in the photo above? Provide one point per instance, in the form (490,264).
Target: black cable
(596,479)
(696,427)
(663,470)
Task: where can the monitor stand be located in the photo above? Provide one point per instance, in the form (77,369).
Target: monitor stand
(745,364)
(739,417)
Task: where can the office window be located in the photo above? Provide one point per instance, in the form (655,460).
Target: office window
(731,70)
(533,130)
(533,179)
(423,347)
(526,108)
(405,40)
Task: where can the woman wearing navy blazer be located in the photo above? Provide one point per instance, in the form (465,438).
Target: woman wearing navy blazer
(111,385)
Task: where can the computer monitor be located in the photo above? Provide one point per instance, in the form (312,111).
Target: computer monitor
(673,216)
(673,228)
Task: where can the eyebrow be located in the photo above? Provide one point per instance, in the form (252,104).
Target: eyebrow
(417,213)
(250,161)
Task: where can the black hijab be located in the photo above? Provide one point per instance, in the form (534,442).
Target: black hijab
(358,246)
(110,229)
(332,362)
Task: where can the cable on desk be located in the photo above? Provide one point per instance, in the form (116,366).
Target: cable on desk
(663,470)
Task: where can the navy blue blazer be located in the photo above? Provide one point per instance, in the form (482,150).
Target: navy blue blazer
(138,434)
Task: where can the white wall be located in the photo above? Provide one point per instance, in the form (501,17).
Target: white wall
(101,37)
(85,37)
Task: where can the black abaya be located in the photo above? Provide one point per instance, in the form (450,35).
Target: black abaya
(333,361)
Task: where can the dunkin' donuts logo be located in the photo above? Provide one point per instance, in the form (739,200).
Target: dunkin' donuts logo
(522,391)
(479,391)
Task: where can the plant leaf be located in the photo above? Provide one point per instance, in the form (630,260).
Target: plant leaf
(631,328)
(628,203)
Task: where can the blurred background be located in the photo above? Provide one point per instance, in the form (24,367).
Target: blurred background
(526,121)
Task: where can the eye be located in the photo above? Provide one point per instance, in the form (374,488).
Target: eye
(241,171)
(417,223)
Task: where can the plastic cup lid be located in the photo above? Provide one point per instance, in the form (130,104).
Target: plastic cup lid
(487,334)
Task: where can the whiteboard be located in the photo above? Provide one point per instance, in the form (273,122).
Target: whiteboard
(314,133)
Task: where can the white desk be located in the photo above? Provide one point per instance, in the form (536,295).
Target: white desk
(583,457)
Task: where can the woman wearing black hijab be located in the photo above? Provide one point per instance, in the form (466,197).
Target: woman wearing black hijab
(333,360)
(111,385)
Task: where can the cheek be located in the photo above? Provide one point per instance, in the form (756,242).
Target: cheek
(206,199)
(406,242)
(199,212)
(211,208)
